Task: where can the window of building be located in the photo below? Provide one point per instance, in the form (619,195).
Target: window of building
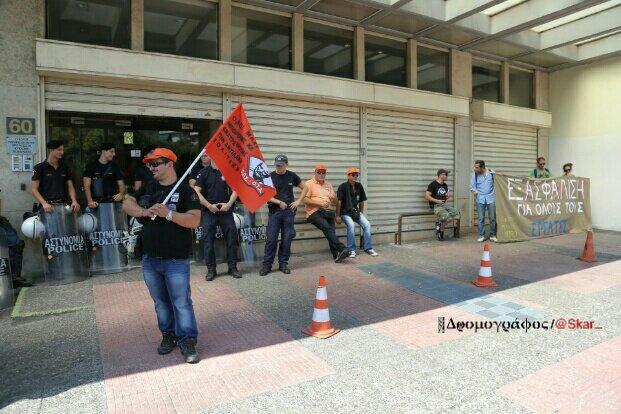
(261,38)
(432,69)
(181,28)
(105,23)
(385,60)
(485,80)
(328,50)
(521,88)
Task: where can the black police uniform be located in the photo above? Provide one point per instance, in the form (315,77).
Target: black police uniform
(103,191)
(52,181)
(216,190)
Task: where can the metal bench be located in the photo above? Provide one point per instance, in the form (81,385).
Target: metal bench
(456,224)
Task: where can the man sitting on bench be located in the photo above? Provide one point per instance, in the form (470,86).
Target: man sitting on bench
(438,194)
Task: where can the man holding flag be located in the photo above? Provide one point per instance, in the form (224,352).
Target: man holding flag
(166,238)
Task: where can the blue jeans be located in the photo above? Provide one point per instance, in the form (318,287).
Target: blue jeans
(351,232)
(279,223)
(491,210)
(168,281)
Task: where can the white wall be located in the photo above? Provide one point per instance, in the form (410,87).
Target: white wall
(586,110)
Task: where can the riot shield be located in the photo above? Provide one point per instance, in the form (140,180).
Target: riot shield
(198,245)
(107,237)
(64,247)
(6,281)
(252,231)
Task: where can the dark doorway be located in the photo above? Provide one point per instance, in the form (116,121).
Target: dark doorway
(83,133)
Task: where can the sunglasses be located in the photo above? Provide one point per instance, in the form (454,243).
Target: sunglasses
(354,175)
(156,164)
(321,172)
(568,170)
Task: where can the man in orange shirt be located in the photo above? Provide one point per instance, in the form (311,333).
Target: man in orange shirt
(320,201)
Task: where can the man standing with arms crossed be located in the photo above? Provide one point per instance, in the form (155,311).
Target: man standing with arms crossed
(282,210)
(482,186)
(166,250)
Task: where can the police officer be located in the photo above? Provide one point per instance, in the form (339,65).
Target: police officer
(103,179)
(51,180)
(142,174)
(200,166)
(282,210)
(217,198)
(166,248)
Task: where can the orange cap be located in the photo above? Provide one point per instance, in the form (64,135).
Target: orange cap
(160,153)
(352,170)
(320,167)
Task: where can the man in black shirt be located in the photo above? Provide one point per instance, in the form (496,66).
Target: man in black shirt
(217,198)
(103,179)
(282,208)
(437,195)
(143,174)
(350,208)
(166,242)
(51,180)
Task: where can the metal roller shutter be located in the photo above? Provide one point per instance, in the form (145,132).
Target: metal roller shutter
(308,133)
(507,149)
(404,152)
(74,96)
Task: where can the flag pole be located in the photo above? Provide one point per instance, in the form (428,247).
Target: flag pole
(185,174)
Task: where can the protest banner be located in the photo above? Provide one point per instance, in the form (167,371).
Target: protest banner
(235,151)
(529,208)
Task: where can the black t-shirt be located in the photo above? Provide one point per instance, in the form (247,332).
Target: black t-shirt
(284,188)
(350,197)
(214,188)
(52,181)
(143,174)
(109,174)
(438,191)
(160,237)
(196,170)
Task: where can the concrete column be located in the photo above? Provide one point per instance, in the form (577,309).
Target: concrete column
(460,64)
(224,30)
(542,90)
(543,149)
(359,53)
(504,82)
(463,169)
(363,146)
(411,64)
(137,25)
(298,42)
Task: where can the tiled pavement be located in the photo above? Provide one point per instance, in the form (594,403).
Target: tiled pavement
(389,357)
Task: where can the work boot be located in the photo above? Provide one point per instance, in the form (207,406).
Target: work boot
(264,270)
(341,256)
(169,341)
(233,271)
(285,269)
(188,350)
(211,274)
(18,282)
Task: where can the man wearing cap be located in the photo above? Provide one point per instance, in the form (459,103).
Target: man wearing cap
(51,180)
(166,240)
(103,179)
(437,195)
(218,199)
(282,208)
(320,199)
(350,208)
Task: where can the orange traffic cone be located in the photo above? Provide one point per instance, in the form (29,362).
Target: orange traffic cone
(485,273)
(321,327)
(588,254)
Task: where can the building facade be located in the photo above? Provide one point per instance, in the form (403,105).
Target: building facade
(137,72)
